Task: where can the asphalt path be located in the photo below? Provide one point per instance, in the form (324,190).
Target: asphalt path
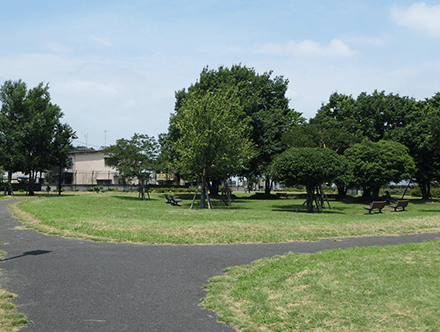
(74,285)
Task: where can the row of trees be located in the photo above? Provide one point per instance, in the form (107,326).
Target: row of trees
(236,122)
(233,121)
(32,137)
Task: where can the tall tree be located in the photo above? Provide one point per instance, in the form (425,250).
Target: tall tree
(374,165)
(265,108)
(371,116)
(317,135)
(310,167)
(134,158)
(421,135)
(33,123)
(213,133)
(12,97)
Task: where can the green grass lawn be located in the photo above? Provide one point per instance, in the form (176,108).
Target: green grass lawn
(390,288)
(121,217)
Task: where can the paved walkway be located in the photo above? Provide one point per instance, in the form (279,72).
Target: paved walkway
(73,285)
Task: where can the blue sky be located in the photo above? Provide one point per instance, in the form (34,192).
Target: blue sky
(113,66)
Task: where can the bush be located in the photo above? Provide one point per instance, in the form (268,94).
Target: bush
(161,190)
(111,189)
(416,192)
(435,192)
(97,189)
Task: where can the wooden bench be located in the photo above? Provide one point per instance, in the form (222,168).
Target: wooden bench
(403,203)
(175,200)
(376,205)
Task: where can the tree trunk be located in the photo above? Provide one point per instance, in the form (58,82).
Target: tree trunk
(213,190)
(203,194)
(375,192)
(60,176)
(267,186)
(310,197)
(9,183)
(31,183)
(366,192)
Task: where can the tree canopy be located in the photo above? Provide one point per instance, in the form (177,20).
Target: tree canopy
(213,135)
(379,116)
(374,165)
(32,137)
(265,109)
(310,167)
(134,158)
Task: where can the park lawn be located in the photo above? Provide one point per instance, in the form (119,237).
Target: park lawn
(389,288)
(122,217)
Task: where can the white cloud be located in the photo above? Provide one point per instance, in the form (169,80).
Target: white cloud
(366,40)
(102,41)
(419,16)
(308,48)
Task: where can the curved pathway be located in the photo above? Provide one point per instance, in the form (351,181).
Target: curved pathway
(74,285)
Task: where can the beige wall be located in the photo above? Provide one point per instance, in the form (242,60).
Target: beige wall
(90,167)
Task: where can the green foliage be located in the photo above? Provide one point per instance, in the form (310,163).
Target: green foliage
(96,189)
(417,192)
(391,117)
(310,167)
(111,190)
(134,158)
(372,116)
(307,166)
(374,165)
(161,190)
(265,110)
(422,137)
(212,135)
(318,136)
(32,138)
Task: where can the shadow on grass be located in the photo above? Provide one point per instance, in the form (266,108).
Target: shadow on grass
(135,198)
(294,208)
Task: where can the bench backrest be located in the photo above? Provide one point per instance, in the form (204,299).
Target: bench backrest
(402,202)
(378,205)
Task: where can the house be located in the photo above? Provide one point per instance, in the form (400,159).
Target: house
(90,167)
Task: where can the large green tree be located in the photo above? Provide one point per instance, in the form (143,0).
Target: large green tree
(12,97)
(421,135)
(31,125)
(134,158)
(265,108)
(310,167)
(316,135)
(369,115)
(212,141)
(375,164)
